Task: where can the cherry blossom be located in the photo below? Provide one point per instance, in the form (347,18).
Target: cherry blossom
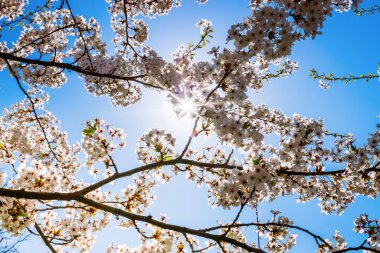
(43,189)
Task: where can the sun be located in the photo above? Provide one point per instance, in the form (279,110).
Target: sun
(187,107)
(184,105)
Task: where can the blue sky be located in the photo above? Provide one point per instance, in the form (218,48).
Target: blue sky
(348,44)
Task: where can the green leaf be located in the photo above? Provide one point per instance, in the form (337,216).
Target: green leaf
(308,131)
(246,125)
(90,130)
(22,214)
(167,158)
(257,161)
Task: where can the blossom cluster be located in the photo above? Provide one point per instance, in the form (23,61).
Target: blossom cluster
(99,141)
(155,146)
(364,225)
(213,92)
(278,236)
(205,26)
(12,8)
(162,241)
(137,196)
(131,31)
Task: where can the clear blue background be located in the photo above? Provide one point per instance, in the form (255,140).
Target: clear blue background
(349,44)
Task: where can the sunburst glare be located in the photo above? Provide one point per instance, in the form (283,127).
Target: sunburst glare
(187,107)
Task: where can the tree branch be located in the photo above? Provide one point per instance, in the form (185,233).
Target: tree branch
(8,56)
(46,241)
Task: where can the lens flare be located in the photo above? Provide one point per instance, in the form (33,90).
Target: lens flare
(187,107)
